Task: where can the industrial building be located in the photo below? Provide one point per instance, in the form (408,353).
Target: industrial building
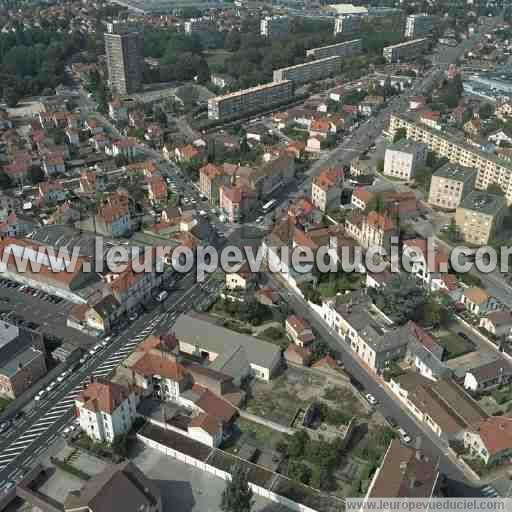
(345,49)
(405,51)
(240,103)
(309,71)
(125,58)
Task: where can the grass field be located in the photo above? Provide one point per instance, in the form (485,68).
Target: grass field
(454,345)
(216,58)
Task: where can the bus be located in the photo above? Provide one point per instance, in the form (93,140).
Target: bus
(268,206)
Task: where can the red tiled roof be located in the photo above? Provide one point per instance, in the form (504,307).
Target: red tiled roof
(496,434)
(151,364)
(379,220)
(103,396)
(207,423)
(215,406)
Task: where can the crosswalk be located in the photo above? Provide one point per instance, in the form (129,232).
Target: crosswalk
(489,492)
(41,426)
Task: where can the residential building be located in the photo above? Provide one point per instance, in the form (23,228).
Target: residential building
(123,484)
(441,405)
(479,216)
(204,28)
(255,99)
(299,330)
(491,440)
(489,168)
(295,354)
(243,279)
(22,359)
(409,50)
(418,25)
(221,80)
(106,410)
(450,184)
(374,229)
(114,217)
(275,27)
(52,191)
(123,47)
(95,318)
(488,376)
(347,24)
(361,198)
(478,301)
(346,49)
(431,118)
(402,159)
(236,201)
(157,189)
(498,323)
(326,189)
(118,110)
(234,354)
(211,179)
(425,355)
(309,71)
(405,472)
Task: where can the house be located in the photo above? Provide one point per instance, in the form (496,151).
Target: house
(326,188)
(113,217)
(236,201)
(374,229)
(16,225)
(379,279)
(313,145)
(117,110)
(299,330)
(221,81)
(405,472)
(157,189)
(51,191)
(186,153)
(101,141)
(472,127)
(488,376)
(426,263)
(242,279)
(96,318)
(417,102)
(361,198)
(154,134)
(498,137)
(234,354)
(431,119)
(126,147)
(73,136)
(498,323)
(124,484)
(295,354)
(441,405)
(91,182)
(106,410)
(504,110)
(478,301)
(370,105)
(425,355)
(327,363)
(54,164)
(92,125)
(491,440)
(321,128)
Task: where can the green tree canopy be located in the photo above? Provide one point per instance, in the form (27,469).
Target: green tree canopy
(237,496)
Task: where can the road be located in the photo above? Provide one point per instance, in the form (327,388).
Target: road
(429,443)
(42,422)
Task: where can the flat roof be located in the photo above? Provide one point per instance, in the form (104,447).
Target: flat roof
(241,92)
(345,43)
(406,43)
(8,332)
(455,172)
(484,202)
(310,63)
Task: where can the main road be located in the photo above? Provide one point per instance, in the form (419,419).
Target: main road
(43,421)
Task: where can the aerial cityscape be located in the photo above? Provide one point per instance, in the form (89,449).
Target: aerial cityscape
(255,256)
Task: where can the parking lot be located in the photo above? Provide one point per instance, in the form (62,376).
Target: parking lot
(34,309)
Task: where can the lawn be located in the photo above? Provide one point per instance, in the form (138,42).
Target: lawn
(4,402)
(216,58)
(455,345)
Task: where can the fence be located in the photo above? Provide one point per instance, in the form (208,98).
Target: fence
(203,466)
(267,423)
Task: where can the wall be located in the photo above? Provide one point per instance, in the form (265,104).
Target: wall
(267,423)
(260,491)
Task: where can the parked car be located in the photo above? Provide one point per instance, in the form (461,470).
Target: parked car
(404,436)
(371,399)
(162,296)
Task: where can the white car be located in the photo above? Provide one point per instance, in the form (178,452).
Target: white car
(371,399)
(83,359)
(162,296)
(62,376)
(259,220)
(40,395)
(406,438)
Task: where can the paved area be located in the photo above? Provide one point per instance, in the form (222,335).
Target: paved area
(59,484)
(187,488)
(51,317)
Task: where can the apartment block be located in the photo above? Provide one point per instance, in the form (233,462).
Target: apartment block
(326,189)
(405,51)
(479,217)
(240,103)
(309,71)
(403,159)
(275,27)
(418,25)
(489,168)
(346,49)
(199,26)
(125,58)
(347,24)
(450,184)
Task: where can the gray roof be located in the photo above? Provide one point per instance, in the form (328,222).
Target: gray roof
(389,340)
(455,172)
(484,202)
(429,359)
(406,146)
(20,360)
(197,331)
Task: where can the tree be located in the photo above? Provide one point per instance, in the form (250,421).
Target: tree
(297,444)
(5,180)
(400,134)
(486,111)
(237,496)
(297,470)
